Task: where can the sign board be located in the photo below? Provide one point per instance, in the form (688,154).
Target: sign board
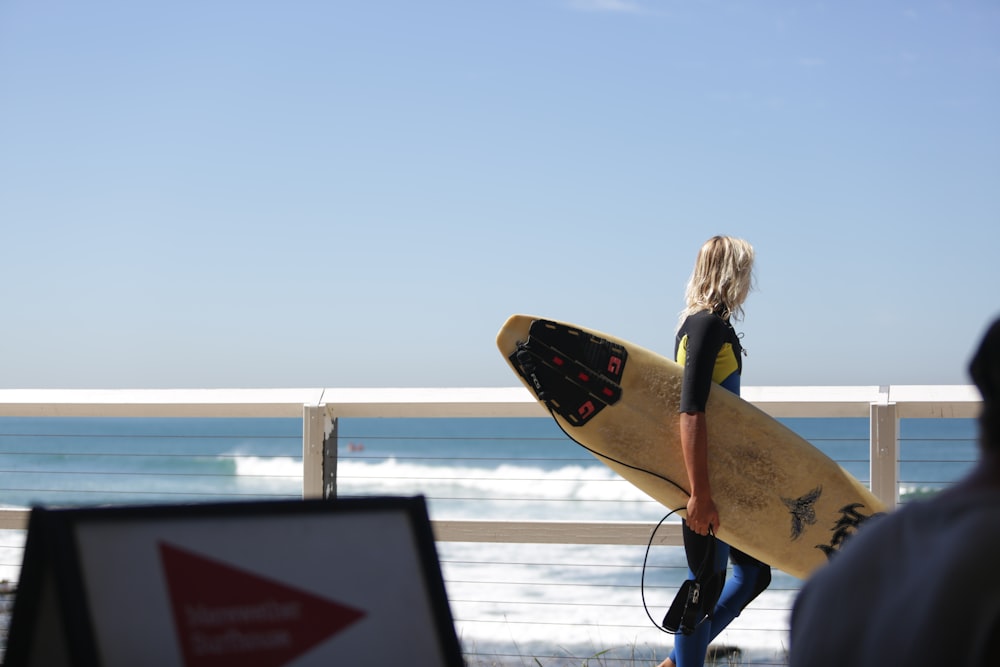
(255,584)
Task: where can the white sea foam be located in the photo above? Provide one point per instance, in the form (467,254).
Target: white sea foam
(269,467)
(11,554)
(569,492)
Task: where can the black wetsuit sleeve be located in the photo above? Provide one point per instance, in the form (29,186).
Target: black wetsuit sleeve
(706,334)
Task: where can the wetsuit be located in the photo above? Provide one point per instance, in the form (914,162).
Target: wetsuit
(710,351)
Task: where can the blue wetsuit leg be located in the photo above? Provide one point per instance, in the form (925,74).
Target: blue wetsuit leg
(690,649)
(749,578)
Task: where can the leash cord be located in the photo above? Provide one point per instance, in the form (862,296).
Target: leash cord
(614,460)
(642,580)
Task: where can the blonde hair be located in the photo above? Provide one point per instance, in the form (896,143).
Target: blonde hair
(722,278)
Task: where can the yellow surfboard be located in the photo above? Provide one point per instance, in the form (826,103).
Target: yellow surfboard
(780,499)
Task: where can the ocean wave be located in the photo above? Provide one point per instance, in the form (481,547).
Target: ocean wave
(570,482)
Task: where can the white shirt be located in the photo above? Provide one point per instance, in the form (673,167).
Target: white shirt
(920,586)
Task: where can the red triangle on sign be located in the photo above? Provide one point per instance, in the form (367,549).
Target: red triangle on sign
(227,616)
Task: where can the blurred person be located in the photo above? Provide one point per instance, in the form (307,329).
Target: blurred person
(920,586)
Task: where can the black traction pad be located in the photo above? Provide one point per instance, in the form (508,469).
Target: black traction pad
(574,373)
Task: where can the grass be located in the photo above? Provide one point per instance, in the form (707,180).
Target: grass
(718,656)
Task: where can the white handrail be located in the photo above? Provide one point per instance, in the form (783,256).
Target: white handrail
(786,401)
(849,401)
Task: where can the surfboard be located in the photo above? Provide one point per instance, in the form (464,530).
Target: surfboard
(780,499)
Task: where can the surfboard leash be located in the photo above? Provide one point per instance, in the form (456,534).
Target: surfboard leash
(630,466)
(652,536)
(642,577)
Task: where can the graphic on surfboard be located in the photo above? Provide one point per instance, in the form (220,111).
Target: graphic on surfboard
(784,501)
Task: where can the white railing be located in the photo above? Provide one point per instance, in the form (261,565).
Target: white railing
(319,409)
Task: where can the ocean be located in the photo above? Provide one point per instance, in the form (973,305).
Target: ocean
(513,604)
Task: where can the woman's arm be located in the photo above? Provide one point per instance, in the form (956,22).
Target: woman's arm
(705,336)
(701,510)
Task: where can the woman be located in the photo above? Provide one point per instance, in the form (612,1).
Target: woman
(709,349)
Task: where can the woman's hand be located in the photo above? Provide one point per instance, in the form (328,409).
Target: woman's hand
(702,515)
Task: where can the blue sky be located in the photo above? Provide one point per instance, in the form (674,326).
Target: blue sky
(295,194)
